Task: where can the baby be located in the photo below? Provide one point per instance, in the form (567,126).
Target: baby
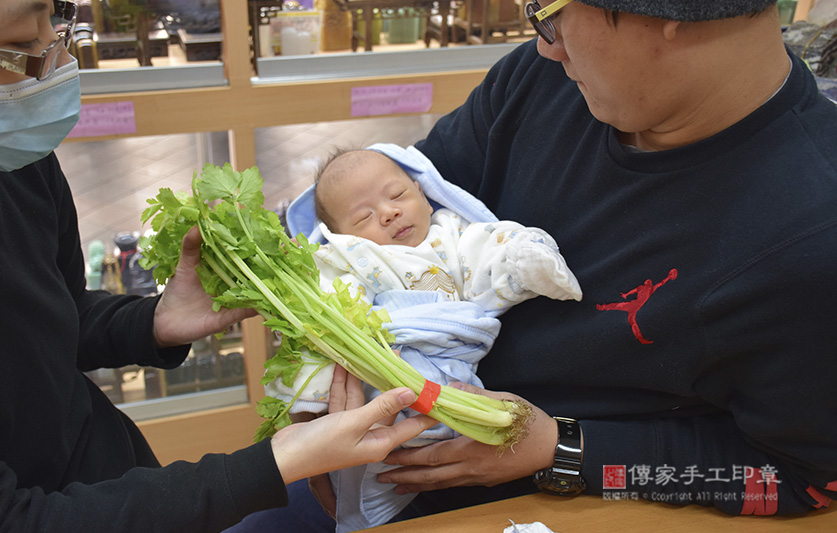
(443,272)
(383,232)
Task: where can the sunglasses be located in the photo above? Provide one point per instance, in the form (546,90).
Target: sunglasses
(541,18)
(41,66)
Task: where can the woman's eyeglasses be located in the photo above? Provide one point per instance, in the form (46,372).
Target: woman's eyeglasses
(42,65)
(541,18)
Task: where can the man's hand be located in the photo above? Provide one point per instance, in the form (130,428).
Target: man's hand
(346,391)
(184,312)
(463,461)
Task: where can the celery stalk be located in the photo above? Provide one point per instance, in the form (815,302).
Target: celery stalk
(247,260)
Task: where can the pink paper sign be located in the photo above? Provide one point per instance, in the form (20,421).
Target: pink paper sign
(392,99)
(105,119)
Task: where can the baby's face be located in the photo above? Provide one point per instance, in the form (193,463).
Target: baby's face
(377,201)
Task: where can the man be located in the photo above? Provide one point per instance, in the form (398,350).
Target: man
(688,167)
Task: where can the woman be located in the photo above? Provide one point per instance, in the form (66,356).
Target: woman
(69,460)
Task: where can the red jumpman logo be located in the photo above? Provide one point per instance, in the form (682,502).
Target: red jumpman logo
(643,293)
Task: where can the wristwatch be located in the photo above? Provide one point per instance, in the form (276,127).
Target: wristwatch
(564,476)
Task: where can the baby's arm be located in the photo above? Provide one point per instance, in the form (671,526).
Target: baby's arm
(535,263)
(506,263)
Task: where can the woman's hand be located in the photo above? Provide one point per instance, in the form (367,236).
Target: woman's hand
(463,461)
(184,313)
(346,393)
(347,438)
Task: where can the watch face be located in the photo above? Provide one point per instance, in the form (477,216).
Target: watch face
(548,480)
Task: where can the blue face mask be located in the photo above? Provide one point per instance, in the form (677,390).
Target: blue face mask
(35,116)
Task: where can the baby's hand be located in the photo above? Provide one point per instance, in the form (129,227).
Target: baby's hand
(538,266)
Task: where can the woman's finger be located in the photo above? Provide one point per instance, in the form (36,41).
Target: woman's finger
(386,404)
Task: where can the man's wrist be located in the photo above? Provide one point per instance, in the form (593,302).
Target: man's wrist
(564,475)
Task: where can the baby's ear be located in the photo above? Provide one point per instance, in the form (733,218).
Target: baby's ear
(418,186)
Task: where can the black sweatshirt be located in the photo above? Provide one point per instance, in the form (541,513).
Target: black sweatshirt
(69,460)
(705,349)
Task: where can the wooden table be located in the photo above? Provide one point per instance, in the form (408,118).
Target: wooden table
(592,514)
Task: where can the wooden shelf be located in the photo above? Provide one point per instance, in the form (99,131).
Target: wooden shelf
(505,18)
(390,9)
(124,45)
(240,108)
(200,46)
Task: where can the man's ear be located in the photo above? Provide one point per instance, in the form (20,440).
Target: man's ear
(670,29)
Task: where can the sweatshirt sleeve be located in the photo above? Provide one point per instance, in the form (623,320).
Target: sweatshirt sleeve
(117,330)
(210,495)
(114,330)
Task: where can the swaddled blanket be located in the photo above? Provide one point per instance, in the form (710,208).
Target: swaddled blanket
(443,297)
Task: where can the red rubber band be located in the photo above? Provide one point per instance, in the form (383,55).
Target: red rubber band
(427,398)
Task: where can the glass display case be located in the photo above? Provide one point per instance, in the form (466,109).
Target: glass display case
(214,366)
(122,33)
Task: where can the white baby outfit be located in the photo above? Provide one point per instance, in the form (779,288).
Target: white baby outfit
(443,297)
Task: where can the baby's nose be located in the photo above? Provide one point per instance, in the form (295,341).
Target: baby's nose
(390,214)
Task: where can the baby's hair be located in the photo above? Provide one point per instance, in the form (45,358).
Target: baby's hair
(349,165)
(319,208)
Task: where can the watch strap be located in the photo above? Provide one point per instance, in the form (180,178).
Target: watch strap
(564,476)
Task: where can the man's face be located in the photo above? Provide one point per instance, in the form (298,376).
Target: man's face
(25,27)
(619,68)
(376,200)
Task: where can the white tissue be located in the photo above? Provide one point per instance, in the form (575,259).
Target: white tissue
(535,527)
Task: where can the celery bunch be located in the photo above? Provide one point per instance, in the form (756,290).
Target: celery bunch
(247,260)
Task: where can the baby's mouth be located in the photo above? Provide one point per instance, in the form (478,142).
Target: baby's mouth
(403,232)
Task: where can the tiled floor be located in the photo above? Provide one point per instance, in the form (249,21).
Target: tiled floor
(111,180)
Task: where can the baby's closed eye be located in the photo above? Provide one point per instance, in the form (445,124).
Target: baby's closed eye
(363,218)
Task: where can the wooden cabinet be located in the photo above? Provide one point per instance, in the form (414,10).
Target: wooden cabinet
(240,108)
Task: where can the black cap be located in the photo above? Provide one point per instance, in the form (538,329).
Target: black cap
(684,10)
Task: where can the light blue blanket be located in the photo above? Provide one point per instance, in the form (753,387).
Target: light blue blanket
(441,339)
